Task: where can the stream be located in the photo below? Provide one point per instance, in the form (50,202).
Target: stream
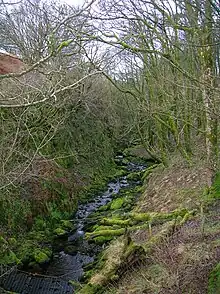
(69,266)
(73,252)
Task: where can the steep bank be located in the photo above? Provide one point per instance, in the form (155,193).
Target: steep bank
(171,241)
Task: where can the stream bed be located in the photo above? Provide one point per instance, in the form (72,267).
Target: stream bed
(72,252)
(75,252)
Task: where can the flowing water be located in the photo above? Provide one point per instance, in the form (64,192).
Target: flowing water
(69,265)
(71,253)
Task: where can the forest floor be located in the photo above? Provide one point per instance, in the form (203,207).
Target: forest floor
(182,260)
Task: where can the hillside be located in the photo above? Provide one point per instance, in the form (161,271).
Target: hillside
(176,249)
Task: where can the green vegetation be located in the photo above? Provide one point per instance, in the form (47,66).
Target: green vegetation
(42,256)
(214,192)
(214,280)
(78,104)
(117,203)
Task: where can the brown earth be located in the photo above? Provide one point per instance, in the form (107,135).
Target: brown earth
(10,64)
(176,186)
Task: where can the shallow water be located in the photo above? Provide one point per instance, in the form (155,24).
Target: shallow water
(70,266)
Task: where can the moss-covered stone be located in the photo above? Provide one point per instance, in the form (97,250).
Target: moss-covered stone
(116,221)
(60,232)
(158,216)
(125,161)
(117,203)
(109,233)
(102,239)
(41,256)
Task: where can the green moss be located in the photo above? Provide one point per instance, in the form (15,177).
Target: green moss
(104,207)
(60,232)
(26,250)
(154,217)
(66,224)
(10,258)
(148,171)
(102,239)
(125,161)
(135,176)
(100,228)
(41,256)
(116,221)
(111,233)
(213,193)
(118,173)
(90,289)
(117,203)
(140,216)
(214,280)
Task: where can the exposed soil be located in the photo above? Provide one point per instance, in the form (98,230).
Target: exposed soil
(177,186)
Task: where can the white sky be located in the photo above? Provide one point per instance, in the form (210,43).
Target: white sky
(74,2)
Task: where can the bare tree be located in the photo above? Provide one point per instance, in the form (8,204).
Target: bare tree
(168,48)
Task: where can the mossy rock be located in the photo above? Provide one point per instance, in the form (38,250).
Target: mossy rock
(116,222)
(60,232)
(105,233)
(42,256)
(97,228)
(214,280)
(26,251)
(102,239)
(117,203)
